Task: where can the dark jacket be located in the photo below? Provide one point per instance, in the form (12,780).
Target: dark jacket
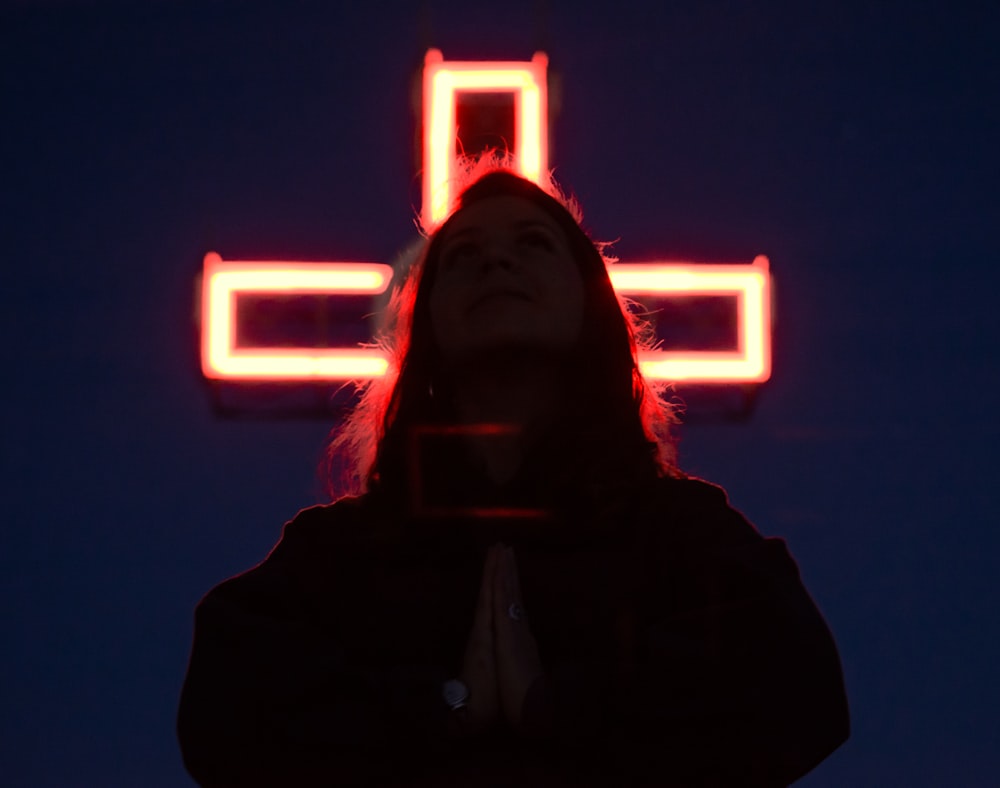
(679,645)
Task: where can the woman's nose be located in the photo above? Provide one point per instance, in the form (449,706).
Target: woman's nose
(498,255)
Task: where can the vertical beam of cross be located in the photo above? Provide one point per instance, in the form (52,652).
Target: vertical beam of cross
(445,84)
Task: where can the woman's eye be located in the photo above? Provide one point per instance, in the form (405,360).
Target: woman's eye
(536,239)
(460,254)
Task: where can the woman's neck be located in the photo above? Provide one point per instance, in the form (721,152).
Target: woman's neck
(519,400)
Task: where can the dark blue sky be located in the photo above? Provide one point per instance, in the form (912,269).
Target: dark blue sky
(855,146)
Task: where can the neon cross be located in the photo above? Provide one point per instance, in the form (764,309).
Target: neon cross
(225,358)
(443,82)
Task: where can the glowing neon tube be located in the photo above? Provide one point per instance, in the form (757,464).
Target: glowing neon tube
(443,80)
(751,284)
(223,280)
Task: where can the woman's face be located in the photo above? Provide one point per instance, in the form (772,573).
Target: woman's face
(505,280)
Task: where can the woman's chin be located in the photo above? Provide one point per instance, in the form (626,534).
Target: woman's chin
(509,350)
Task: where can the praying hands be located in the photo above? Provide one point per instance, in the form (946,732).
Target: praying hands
(501,661)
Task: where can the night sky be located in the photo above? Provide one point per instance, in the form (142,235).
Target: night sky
(853,143)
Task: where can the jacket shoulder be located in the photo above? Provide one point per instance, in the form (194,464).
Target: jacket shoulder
(692,516)
(690,489)
(687,498)
(312,544)
(322,525)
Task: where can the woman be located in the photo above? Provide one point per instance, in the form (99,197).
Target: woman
(526,591)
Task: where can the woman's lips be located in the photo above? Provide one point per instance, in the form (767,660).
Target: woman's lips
(500,293)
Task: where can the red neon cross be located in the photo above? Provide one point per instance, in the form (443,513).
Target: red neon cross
(222,358)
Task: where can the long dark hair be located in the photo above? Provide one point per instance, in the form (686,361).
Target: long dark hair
(612,431)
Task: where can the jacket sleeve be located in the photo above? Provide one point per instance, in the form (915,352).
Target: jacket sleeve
(733,677)
(272,698)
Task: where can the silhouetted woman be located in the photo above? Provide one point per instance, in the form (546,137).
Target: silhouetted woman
(526,591)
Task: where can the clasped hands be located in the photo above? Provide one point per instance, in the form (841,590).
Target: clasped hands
(501,660)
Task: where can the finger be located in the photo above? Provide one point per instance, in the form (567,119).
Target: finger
(504,595)
(486,582)
(513,581)
(507,584)
(483,623)
(501,598)
(493,570)
(513,589)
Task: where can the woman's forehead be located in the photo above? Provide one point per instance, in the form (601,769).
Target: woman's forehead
(501,212)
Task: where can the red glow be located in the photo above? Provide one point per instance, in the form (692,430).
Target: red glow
(222,280)
(442,80)
(750,284)
(423,508)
